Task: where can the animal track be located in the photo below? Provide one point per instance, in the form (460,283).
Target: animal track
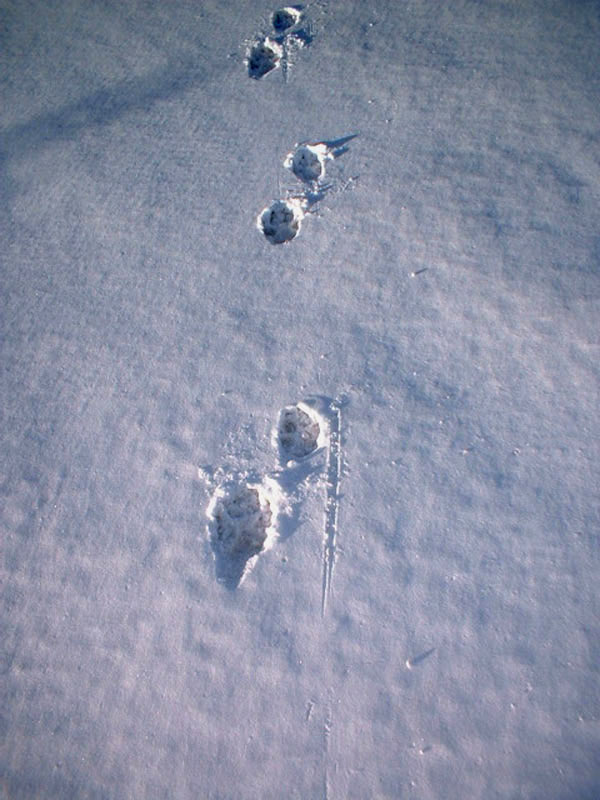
(281,221)
(244,515)
(285,18)
(241,523)
(290,31)
(307,160)
(298,432)
(302,430)
(264,56)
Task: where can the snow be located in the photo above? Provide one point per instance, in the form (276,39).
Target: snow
(423,620)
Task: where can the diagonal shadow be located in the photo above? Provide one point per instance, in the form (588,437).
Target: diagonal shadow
(101,107)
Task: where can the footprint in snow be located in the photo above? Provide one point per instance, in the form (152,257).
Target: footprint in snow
(299,432)
(284,19)
(307,160)
(264,56)
(244,516)
(303,430)
(290,31)
(241,525)
(280,222)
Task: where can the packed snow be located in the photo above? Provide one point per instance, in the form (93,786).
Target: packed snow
(314,520)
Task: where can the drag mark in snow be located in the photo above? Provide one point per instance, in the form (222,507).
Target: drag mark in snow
(332,504)
(326,735)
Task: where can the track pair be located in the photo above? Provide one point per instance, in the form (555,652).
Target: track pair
(243,514)
(280,222)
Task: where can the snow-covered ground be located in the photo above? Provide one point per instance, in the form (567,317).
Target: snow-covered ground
(191,606)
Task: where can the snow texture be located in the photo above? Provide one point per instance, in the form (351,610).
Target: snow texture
(419,616)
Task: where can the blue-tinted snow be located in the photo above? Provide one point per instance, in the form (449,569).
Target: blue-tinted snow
(447,301)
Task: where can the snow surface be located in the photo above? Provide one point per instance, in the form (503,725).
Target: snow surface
(426,622)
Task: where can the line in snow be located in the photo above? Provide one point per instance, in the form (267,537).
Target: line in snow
(334,473)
